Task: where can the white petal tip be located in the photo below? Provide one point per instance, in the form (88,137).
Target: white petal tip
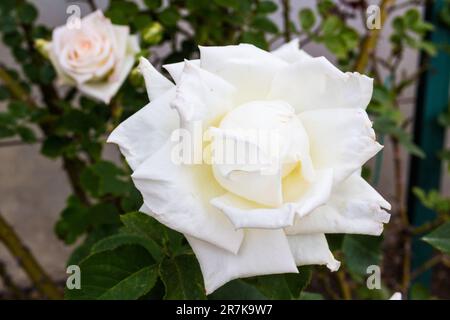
(144,64)
(334,265)
(396,296)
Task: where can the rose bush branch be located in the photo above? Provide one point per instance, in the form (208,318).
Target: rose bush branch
(8,282)
(27,261)
(370,41)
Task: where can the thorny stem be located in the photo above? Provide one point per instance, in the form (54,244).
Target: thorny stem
(92,5)
(401,207)
(286,20)
(370,41)
(28,262)
(427,265)
(327,286)
(9,284)
(404,5)
(427,226)
(15,88)
(345,288)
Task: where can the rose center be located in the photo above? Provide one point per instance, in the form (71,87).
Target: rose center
(256,145)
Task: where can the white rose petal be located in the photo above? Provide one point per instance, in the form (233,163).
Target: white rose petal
(249,69)
(178,196)
(396,296)
(354,207)
(342,139)
(176,69)
(202,96)
(142,134)
(155,83)
(316,84)
(291,53)
(262,252)
(310,249)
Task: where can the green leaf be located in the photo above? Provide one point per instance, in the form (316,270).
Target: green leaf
(335,241)
(4,93)
(18,109)
(134,286)
(332,25)
(8,24)
(13,38)
(169,17)
(126,273)
(325,6)
(432,200)
(237,290)
(84,249)
(298,282)
(398,24)
(55,146)
(103,178)
(6,132)
(227,3)
(132,201)
(283,286)
(361,251)
(47,74)
(440,238)
(26,13)
(307,18)
(122,12)
(26,134)
(264,24)
(411,17)
(114,241)
(350,37)
(143,225)
(76,219)
(273,287)
(182,278)
(73,221)
(266,7)
(153,4)
(311,296)
(419,292)
(255,38)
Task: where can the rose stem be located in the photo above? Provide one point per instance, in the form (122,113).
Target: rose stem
(28,262)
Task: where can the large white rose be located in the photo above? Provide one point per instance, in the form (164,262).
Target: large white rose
(240,220)
(94,55)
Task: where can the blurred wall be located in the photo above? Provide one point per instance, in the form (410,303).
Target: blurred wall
(33,189)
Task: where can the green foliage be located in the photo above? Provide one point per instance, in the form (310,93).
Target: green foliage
(389,120)
(283,286)
(78,218)
(125,273)
(237,290)
(103,178)
(182,278)
(361,251)
(440,238)
(433,200)
(409,31)
(307,18)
